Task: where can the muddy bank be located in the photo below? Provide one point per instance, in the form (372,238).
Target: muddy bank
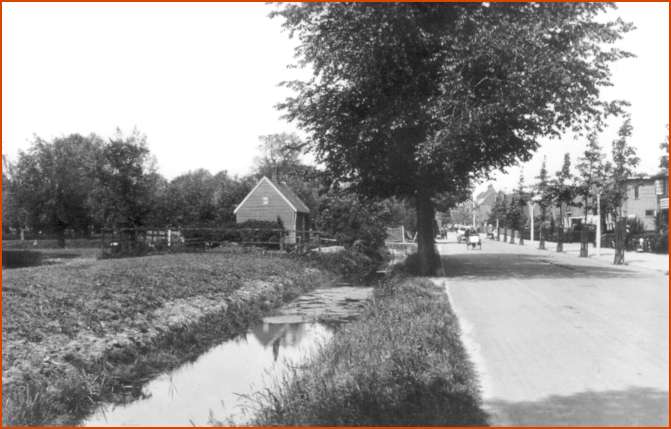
(56,377)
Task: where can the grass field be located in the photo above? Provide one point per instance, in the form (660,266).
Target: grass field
(78,333)
(401,364)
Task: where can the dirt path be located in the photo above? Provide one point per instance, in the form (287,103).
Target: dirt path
(561,342)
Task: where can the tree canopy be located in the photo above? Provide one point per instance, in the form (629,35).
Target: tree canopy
(414,100)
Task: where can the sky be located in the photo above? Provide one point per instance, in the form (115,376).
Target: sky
(201,80)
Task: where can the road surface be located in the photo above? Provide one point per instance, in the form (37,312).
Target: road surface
(559,341)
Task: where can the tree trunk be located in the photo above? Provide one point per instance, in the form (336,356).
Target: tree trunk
(512,236)
(426,249)
(521,237)
(541,236)
(620,232)
(560,232)
(505,234)
(584,245)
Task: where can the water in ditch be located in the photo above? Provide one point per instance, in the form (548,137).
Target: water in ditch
(213,387)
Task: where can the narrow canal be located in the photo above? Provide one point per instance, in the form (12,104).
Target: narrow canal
(214,387)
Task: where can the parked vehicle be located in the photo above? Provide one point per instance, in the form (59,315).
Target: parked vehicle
(461,235)
(473,239)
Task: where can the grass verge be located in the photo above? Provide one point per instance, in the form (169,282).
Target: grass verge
(74,335)
(401,364)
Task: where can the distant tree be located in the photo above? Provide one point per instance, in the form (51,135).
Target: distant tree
(664,158)
(11,215)
(414,100)
(592,172)
(125,182)
(563,191)
(228,193)
(279,155)
(517,209)
(497,215)
(462,213)
(544,194)
(399,212)
(625,162)
(280,161)
(191,199)
(592,175)
(52,181)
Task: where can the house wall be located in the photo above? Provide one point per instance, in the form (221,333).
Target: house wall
(255,209)
(643,205)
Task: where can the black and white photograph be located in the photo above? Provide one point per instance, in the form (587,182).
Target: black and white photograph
(335,214)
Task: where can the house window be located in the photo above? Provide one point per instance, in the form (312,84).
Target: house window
(649,212)
(264,201)
(636,192)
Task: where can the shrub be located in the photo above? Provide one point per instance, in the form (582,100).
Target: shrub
(353,221)
(352,265)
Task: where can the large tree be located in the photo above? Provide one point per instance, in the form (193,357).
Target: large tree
(124,194)
(415,100)
(51,183)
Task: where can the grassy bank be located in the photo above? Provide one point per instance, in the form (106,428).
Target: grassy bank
(74,335)
(402,363)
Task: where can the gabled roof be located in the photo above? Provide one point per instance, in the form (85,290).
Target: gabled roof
(293,198)
(285,192)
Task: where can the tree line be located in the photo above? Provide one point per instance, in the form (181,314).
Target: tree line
(594,174)
(76,185)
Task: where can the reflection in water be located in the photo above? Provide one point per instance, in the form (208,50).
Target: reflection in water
(212,385)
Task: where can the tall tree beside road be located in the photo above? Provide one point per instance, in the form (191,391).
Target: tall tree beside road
(563,191)
(415,100)
(544,200)
(52,182)
(625,162)
(592,171)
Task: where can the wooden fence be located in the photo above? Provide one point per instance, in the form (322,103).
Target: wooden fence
(137,241)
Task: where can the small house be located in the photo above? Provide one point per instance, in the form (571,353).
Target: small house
(268,201)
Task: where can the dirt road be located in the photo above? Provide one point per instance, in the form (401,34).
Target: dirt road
(560,341)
